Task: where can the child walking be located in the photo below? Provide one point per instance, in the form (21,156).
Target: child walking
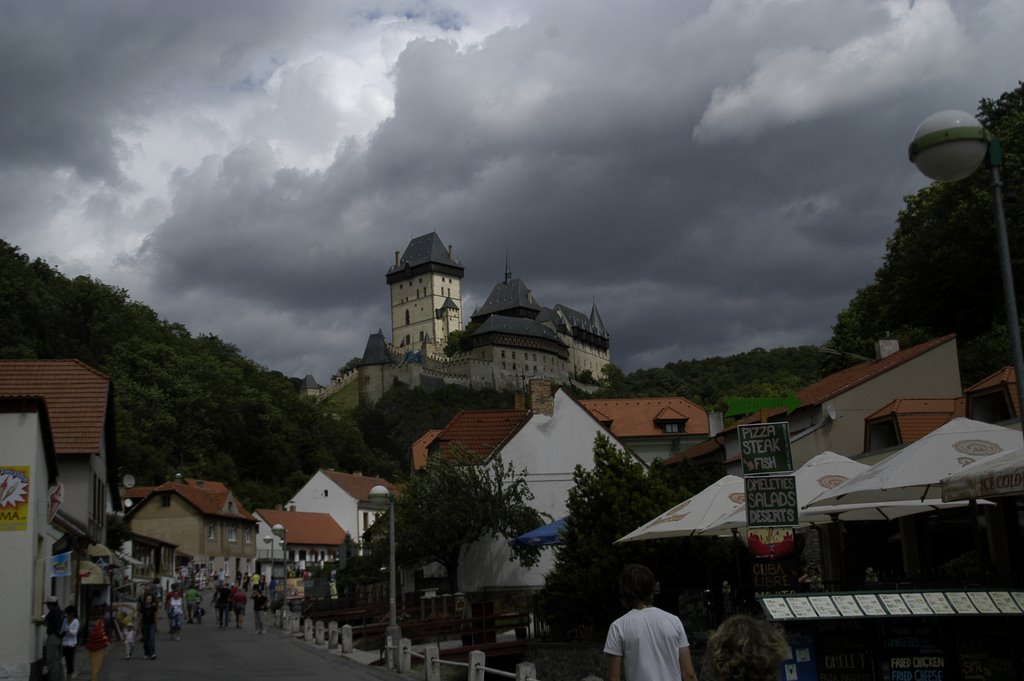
(129,641)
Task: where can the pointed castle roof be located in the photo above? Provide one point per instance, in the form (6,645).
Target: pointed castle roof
(376,351)
(424,254)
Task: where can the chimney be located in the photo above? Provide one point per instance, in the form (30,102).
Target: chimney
(520,401)
(292,507)
(396,258)
(716,423)
(540,397)
(885,347)
(451,252)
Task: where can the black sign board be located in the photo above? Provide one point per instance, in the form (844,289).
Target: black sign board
(764,448)
(771,501)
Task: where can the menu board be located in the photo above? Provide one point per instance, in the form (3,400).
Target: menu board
(870,605)
(847,606)
(1004,601)
(961,602)
(938,603)
(983,602)
(823,606)
(894,604)
(777,609)
(917,604)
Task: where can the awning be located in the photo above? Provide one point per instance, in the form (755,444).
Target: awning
(91,573)
(545,535)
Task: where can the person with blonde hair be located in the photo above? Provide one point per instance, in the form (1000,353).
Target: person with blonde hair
(744,648)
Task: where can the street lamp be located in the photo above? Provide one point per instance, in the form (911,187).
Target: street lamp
(949,146)
(380,497)
(269,539)
(282,533)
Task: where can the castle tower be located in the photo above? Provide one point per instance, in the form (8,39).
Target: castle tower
(426,294)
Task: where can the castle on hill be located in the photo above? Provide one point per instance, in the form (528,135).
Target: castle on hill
(510,339)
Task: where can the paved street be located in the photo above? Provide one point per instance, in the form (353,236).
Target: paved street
(207,652)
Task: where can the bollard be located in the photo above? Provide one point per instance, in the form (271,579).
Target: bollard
(307,630)
(332,635)
(318,633)
(477,664)
(293,627)
(526,671)
(431,664)
(346,638)
(405,656)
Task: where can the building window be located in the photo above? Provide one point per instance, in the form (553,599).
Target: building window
(406,316)
(211,530)
(248,535)
(165,500)
(232,533)
(503,354)
(670,427)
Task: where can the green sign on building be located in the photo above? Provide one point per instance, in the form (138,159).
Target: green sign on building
(764,448)
(771,501)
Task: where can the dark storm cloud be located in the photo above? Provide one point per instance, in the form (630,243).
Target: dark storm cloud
(716,176)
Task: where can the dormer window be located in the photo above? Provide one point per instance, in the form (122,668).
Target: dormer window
(670,427)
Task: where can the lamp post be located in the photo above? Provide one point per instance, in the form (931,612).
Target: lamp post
(281,532)
(269,539)
(949,146)
(381,498)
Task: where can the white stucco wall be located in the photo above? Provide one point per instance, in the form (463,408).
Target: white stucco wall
(23,582)
(549,448)
(323,495)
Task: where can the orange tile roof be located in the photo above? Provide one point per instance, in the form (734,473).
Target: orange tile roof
(826,389)
(1004,378)
(640,416)
(357,486)
(77,396)
(479,434)
(318,529)
(420,447)
(916,417)
(206,496)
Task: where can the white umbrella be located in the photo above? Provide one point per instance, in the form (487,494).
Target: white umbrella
(995,476)
(695,514)
(916,471)
(824,472)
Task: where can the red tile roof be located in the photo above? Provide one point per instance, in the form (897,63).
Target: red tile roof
(825,389)
(206,496)
(305,528)
(916,417)
(479,434)
(640,416)
(357,486)
(77,397)
(1004,378)
(420,447)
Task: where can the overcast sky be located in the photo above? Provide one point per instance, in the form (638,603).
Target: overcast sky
(716,176)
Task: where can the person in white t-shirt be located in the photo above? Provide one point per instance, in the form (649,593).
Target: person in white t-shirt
(647,643)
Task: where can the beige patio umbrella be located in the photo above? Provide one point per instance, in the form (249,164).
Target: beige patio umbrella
(916,471)
(694,515)
(999,475)
(824,472)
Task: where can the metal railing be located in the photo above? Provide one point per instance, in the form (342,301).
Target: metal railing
(476,667)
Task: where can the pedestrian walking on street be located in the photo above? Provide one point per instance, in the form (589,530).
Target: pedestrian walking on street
(238,601)
(647,642)
(175,610)
(70,641)
(259,605)
(147,617)
(54,621)
(192,602)
(97,645)
(222,602)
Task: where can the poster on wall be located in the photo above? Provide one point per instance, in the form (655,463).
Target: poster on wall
(14,498)
(775,565)
(60,565)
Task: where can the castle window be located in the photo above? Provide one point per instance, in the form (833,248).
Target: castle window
(503,366)
(406,316)
(421,335)
(503,354)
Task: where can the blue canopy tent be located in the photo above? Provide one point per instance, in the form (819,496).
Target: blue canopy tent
(545,535)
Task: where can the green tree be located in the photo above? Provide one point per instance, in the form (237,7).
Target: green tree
(941,273)
(608,502)
(453,503)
